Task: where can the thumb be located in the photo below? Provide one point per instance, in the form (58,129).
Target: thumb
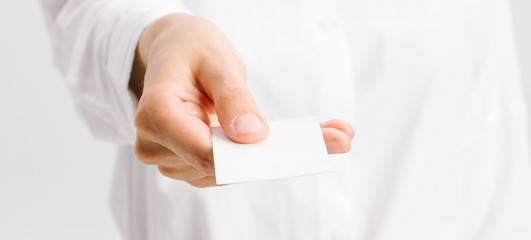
(239,116)
(222,76)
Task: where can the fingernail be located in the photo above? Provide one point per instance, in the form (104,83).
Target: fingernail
(247,123)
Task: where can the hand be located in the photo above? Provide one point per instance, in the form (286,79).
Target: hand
(188,77)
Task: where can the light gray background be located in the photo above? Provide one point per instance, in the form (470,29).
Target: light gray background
(54,177)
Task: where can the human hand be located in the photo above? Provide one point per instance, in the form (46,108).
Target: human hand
(189,77)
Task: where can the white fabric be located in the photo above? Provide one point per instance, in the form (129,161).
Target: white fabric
(431,87)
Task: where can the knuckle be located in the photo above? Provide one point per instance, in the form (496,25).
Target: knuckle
(165,171)
(139,118)
(203,164)
(144,112)
(151,113)
(201,26)
(202,183)
(139,151)
(143,154)
(231,91)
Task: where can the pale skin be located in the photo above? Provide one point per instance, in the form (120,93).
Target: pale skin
(188,77)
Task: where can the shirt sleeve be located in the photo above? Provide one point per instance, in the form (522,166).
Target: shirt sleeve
(94,44)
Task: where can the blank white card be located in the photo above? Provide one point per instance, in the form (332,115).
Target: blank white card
(294,147)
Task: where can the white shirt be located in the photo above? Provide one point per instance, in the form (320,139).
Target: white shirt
(431,87)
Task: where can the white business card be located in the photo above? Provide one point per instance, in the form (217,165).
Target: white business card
(294,147)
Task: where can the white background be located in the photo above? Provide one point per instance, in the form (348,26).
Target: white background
(54,177)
